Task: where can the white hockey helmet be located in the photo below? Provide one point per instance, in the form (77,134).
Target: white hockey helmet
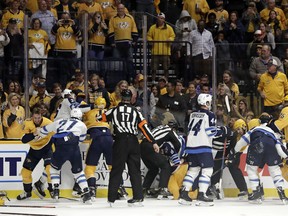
(76,113)
(205,100)
(66,92)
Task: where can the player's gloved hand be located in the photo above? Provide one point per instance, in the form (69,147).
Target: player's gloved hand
(226,131)
(232,158)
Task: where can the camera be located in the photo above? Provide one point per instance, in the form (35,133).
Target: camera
(66,21)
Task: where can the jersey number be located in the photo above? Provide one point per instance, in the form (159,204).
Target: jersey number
(195,127)
(61,127)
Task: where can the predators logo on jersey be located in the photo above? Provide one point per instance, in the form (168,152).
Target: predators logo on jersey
(37,35)
(123,25)
(66,35)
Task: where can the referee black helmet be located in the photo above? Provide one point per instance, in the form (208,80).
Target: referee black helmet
(126,94)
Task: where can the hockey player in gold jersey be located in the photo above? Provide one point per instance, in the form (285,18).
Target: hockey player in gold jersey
(102,142)
(40,148)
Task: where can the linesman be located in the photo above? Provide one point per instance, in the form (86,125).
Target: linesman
(126,120)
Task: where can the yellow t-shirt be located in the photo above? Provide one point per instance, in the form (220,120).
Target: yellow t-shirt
(15,130)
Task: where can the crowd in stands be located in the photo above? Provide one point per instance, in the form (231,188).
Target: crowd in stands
(249,35)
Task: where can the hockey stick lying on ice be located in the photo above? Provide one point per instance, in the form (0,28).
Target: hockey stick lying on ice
(16,213)
(27,206)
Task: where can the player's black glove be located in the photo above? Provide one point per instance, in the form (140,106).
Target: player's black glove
(232,158)
(226,131)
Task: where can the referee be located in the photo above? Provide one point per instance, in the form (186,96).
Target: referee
(126,120)
(163,134)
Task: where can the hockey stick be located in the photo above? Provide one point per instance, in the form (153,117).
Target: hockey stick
(17,213)
(27,206)
(71,199)
(222,166)
(224,149)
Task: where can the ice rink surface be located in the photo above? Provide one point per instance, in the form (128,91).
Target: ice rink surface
(152,207)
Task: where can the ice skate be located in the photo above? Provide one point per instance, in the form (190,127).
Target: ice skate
(243,195)
(111,204)
(214,193)
(86,197)
(56,193)
(150,193)
(77,192)
(203,200)
(122,193)
(24,196)
(256,196)
(39,190)
(282,195)
(135,203)
(93,191)
(164,194)
(184,198)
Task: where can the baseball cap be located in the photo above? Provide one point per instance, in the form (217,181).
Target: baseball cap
(272,62)
(140,77)
(41,85)
(161,15)
(257,32)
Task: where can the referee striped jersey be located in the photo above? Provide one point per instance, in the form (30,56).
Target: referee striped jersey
(163,133)
(126,119)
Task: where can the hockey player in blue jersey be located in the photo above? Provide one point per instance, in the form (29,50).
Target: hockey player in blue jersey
(264,148)
(67,104)
(68,134)
(201,130)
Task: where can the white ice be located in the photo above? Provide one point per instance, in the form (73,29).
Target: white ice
(152,207)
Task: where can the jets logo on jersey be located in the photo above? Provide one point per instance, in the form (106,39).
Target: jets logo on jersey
(123,25)
(66,35)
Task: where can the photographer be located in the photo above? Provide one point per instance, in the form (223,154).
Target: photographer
(67,35)
(97,34)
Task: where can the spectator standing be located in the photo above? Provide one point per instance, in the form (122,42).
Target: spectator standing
(161,51)
(184,25)
(65,6)
(47,19)
(123,36)
(13,52)
(67,34)
(234,31)
(273,87)
(202,45)
(97,36)
(15,13)
(38,48)
(4,41)
(264,14)
(197,9)
(250,20)
(259,64)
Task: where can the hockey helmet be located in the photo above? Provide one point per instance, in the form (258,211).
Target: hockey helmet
(173,124)
(66,92)
(205,100)
(265,118)
(100,102)
(126,94)
(240,123)
(253,123)
(76,113)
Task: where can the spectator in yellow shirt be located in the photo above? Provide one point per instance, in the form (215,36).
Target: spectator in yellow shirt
(273,87)
(13,117)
